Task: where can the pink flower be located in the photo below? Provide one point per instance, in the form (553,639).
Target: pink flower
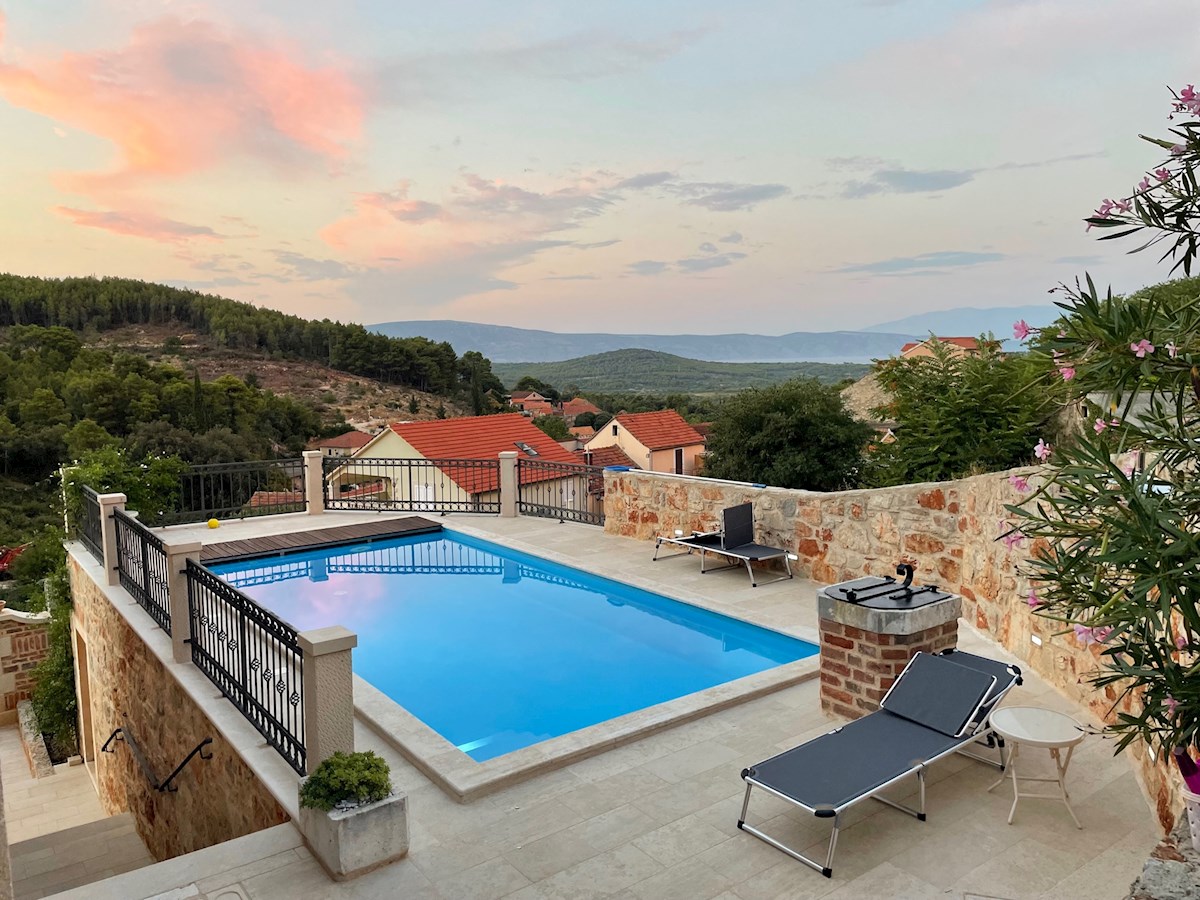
(1102,634)
(1122,206)
(1180,641)
(1067,373)
(1172,350)
(1171,704)
(1129,468)
(1013,539)
(1188,93)
(1033,599)
(1042,450)
(1021,329)
(1144,184)
(1100,425)
(1020,483)
(1162,174)
(1104,209)
(1141,348)
(1178,150)
(1085,635)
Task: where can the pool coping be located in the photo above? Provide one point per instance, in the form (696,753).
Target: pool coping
(465,780)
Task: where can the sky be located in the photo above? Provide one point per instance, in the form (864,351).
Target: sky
(804,165)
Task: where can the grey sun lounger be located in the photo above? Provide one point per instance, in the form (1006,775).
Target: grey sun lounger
(937,706)
(734,541)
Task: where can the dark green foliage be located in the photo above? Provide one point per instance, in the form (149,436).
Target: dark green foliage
(959,415)
(347,779)
(796,434)
(690,406)
(554,426)
(54,694)
(149,484)
(529,383)
(413,406)
(656,372)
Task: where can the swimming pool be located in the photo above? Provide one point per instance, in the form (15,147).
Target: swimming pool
(497,650)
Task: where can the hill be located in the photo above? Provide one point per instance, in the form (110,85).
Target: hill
(970,322)
(501,343)
(655,372)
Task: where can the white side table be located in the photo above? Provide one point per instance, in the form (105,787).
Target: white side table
(1033,726)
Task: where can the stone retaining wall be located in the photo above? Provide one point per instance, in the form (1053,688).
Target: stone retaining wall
(218,799)
(24,643)
(949,531)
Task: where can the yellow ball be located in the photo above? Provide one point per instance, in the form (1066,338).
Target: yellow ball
(213,523)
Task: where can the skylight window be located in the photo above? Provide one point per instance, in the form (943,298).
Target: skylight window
(526,449)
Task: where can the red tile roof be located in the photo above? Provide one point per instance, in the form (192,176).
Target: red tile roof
(261,499)
(583,432)
(517,396)
(579,406)
(538,407)
(607,456)
(966,343)
(351,440)
(660,430)
(483,437)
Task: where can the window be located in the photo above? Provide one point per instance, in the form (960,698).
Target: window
(678,460)
(614,431)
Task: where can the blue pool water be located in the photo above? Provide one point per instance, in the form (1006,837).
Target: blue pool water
(497,650)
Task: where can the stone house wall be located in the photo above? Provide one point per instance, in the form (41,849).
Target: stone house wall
(129,687)
(950,531)
(24,643)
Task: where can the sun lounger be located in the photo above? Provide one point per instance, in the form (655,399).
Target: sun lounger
(938,705)
(734,541)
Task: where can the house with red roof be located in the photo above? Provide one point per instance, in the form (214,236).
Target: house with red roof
(659,441)
(343,444)
(451,446)
(958,346)
(577,407)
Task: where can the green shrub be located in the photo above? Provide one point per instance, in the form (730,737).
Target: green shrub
(54,690)
(347,779)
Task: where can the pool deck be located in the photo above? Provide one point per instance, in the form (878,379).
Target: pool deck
(656,818)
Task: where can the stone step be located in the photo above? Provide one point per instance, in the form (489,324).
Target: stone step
(76,856)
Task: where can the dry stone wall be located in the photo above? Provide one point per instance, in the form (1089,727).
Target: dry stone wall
(218,799)
(950,531)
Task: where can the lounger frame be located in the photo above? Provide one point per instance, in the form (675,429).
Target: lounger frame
(974,732)
(690,546)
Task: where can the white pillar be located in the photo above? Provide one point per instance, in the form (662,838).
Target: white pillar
(314,481)
(177,588)
(328,692)
(108,503)
(508,483)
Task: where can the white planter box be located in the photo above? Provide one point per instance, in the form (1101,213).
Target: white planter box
(352,842)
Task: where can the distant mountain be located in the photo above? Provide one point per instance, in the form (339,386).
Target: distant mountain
(501,343)
(969,322)
(660,373)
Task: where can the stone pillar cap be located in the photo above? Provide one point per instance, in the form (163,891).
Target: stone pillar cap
(332,639)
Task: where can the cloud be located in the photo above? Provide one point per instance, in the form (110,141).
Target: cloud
(1054,160)
(734,237)
(138,224)
(571,278)
(497,198)
(308,268)
(925,263)
(706,247)
(182,96)
(907,181)
(704,263)
(644,180)
(596,245)
(727,196)
(647,267)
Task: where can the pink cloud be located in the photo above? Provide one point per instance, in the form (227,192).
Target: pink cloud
(182,96)
(138,224)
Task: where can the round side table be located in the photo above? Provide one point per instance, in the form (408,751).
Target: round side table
(1033,726)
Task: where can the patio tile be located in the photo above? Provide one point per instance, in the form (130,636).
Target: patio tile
(689,880)
(612,828)
(541,858)
(679,840)
(486,881)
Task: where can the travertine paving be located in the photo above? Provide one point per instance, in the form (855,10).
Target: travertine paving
(37,806)
(657,818)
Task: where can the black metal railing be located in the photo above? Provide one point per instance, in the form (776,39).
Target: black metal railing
(142,568)
(253,657)
(234,491)
(91,526)
(568,492)
(413,485)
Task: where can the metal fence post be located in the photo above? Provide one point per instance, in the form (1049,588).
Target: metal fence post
(508,483)
(314,481)
(108,503)
(328,692)
(177,588)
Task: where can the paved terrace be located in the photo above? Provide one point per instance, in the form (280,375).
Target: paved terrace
(657,818)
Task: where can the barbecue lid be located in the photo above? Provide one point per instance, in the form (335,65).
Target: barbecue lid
(874,592)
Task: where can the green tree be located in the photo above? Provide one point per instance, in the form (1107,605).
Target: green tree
(960,414)
(413,406)
(87,435)
(529,383)
(554,426)
(796,434)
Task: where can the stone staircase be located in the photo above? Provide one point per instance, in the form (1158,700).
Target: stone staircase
(76,856)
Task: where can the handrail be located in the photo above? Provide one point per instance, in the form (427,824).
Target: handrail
(124,735)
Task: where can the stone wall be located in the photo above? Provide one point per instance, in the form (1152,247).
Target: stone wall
(24,643)
(218,799)
(949,531)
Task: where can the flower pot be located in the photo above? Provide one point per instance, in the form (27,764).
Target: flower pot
(1192,803)
(352,842)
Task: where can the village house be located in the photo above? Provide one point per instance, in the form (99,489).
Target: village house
(659,441)
(577,407)
(958,346)
(342,445)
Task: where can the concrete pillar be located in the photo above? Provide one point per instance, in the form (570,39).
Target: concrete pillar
(181,623)
(508,483)
(328,692)
(109,502)
(314,481)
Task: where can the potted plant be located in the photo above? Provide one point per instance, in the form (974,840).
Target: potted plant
(350,818)
(1116,525)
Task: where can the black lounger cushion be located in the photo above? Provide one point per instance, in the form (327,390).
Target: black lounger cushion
(739,525)
(939,694)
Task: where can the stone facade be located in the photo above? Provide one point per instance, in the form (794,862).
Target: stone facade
(950,531)
(24,642)
(129,686)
